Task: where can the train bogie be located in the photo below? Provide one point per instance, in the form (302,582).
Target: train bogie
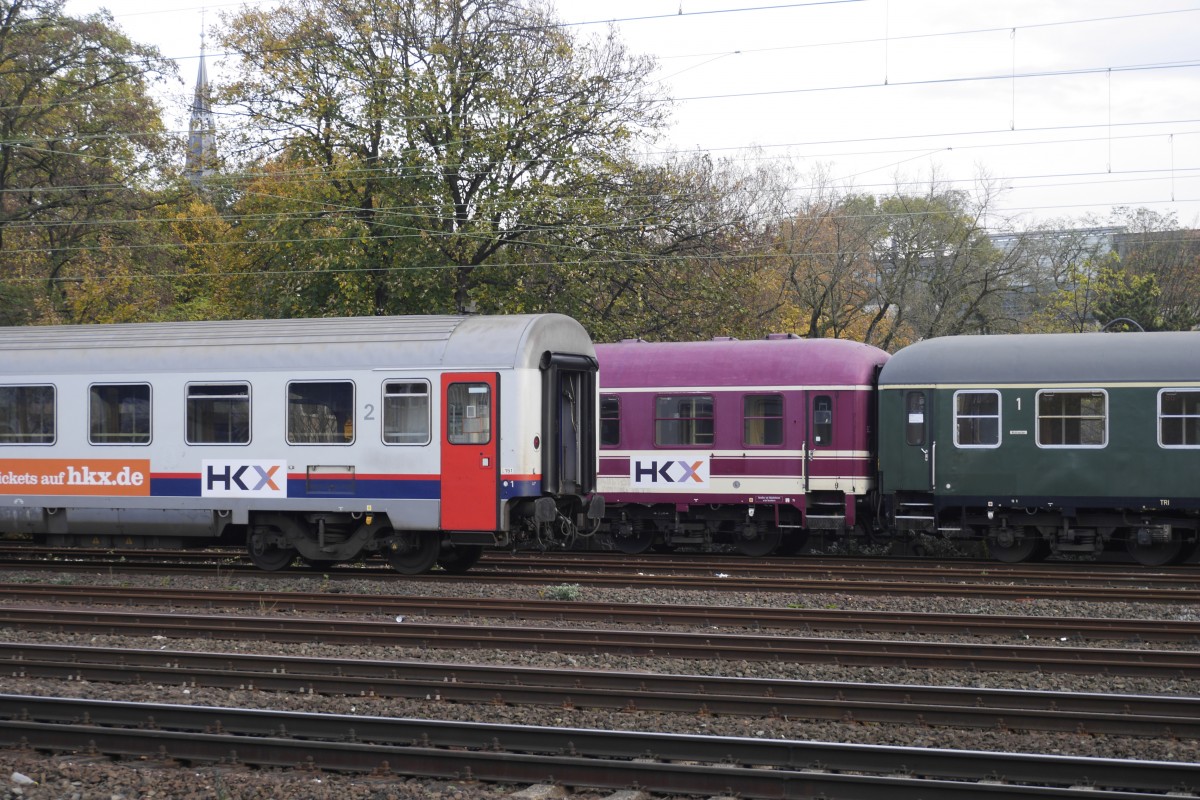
(419,439)
(749,444)
(1040,444)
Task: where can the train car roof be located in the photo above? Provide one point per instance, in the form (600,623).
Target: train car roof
(382,343)
(737,363)
(1076,358)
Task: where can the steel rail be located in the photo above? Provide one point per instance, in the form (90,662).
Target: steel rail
(668,644)
(1083,628)
(725,581)
(1087,714)
(759,768)
(1075,573)
(811,563)
(952,570)
(943,571)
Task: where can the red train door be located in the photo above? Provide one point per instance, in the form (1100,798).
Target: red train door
(470,437)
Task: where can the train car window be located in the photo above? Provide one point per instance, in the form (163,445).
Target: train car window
(977,419)
(822,421)
(27,415)
(762,420)
(406,412)
(469,413)
(914,413)
(1179,418)
(320,412)
(120,414)
(682,420)
(1072,418)
(610,420)
(218,413)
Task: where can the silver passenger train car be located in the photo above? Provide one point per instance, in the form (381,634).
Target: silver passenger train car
(421,439)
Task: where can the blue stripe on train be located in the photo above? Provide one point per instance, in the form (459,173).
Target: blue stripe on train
(386,489)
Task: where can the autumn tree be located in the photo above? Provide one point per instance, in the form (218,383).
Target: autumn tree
(82,146)
(672,249)
(1095,293)
(1153,245)
(935,270)
(825,261)
(1062,256)
(441,134)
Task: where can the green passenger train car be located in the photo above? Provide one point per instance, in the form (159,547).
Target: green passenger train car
(1040,444)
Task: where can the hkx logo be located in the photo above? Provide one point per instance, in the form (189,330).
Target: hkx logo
(244,479)
(668,470)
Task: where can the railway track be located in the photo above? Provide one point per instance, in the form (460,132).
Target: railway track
(1106,661)
(1079,713)
(777,634)
(907,578)
(784,635)
(674,763)
(1103,573)
(794,619)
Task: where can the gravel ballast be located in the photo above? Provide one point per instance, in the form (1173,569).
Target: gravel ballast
(86,778)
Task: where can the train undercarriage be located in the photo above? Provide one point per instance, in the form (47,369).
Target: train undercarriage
(1150,538)
(277,539)
(1006,535)
(755,531)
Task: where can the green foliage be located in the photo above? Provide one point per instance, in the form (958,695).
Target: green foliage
(1095,293)
(428,146)
(1071,306)
(83,144)
(1153,245)
(1125,296)
(425,156)
(564,591)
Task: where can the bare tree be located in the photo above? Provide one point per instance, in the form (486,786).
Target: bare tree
(937,273)
(825,252)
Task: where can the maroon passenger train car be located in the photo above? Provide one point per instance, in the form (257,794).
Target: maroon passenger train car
(745,442)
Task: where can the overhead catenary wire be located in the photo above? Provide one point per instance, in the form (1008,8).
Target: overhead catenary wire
(410,231)
(895,139)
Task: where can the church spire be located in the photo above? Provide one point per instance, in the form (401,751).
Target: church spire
(202,131)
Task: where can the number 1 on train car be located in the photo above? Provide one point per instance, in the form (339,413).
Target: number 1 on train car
(470,472)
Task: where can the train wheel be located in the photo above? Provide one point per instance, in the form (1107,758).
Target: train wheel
(1158,554)
(759,540)
(269,557)
(413,552)
(638,540)
(1014,547)
(265,551)
(457,559)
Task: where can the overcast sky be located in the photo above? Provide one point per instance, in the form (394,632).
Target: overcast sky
(1071,106)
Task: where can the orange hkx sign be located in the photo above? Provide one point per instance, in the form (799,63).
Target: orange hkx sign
(93,476)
